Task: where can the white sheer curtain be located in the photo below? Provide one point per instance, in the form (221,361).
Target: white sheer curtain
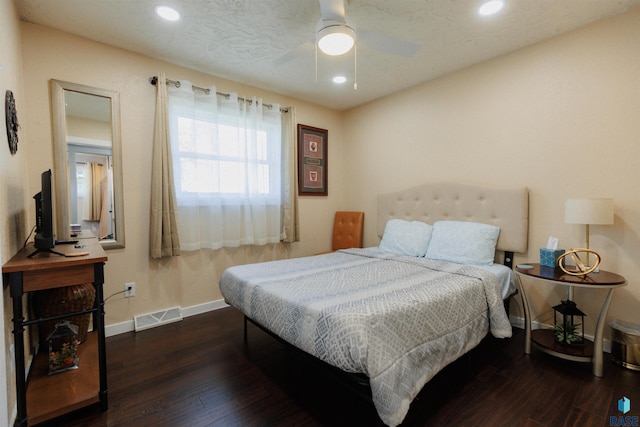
(227,168)
(82,178)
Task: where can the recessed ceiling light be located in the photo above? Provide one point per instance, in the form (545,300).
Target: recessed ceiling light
(491,7)
(167,13)
(339,79)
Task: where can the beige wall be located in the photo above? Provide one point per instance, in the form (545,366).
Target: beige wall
(561,118)
(78,127)
(14,197)
(565,108)
(192,278)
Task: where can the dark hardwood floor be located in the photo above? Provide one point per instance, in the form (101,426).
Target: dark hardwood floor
(199,372)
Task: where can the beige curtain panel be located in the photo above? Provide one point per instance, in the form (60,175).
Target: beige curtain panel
(103,230)
(95,191)
(290,227)
(163,232)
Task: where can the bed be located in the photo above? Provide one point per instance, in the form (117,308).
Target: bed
(400,312)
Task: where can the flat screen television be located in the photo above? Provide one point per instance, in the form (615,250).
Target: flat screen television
(45,239)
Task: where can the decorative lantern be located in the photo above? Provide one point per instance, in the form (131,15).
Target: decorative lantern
(569,329)
(63,347)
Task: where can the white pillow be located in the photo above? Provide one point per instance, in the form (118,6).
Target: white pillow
(463,242)
(406,238)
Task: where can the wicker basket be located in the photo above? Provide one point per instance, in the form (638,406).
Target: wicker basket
(53,302)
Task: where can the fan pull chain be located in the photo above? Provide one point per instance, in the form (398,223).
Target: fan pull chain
(355,67)
(316,62)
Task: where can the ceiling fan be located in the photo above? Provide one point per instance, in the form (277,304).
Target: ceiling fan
(335,36)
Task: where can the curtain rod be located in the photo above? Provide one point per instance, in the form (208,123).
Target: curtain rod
(154,80)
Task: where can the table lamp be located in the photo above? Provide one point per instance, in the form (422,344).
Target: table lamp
(597,211)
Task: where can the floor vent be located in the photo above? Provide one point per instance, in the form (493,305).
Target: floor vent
(159,318)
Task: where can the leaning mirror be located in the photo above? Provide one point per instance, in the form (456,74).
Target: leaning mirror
(87,163)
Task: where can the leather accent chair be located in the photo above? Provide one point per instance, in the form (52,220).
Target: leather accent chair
(347,230)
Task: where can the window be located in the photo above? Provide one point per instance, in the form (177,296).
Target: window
(220,159)
(227,169)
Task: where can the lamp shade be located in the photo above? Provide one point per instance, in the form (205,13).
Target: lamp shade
(336,39)
(588,211)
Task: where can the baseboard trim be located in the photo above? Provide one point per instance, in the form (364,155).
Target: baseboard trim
(204,308)
(518,322)
(129,325)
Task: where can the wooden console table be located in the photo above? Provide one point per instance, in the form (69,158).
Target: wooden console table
(44,397)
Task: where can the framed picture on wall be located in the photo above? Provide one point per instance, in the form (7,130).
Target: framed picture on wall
(312,161)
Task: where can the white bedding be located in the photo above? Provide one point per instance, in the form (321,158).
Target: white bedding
(395,318)
(505,276)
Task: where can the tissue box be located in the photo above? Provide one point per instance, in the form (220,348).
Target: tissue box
(549,257)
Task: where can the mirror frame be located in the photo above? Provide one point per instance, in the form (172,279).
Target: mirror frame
(61,175)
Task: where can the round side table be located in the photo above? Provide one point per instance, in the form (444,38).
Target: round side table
(544,338)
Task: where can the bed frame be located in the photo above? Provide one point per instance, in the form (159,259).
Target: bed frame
(505,208)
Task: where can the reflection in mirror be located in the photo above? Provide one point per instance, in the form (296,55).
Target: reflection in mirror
(88,165)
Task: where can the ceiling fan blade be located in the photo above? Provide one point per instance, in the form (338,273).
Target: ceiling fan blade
(388,44)
(293,54)
(332,10)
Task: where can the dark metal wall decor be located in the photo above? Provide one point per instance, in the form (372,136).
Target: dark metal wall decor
(11,116)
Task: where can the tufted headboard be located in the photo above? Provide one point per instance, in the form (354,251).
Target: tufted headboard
(506,208)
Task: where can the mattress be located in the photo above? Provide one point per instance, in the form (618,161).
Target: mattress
(397,319)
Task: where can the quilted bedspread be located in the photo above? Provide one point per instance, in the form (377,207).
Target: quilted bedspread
(397,319)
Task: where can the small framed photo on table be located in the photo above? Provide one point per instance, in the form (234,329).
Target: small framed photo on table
(312,161)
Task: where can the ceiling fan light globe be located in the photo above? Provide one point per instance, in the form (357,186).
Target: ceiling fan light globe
(167,13)
(336,40)
(491,7)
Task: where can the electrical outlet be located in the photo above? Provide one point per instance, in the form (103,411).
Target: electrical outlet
(130,289)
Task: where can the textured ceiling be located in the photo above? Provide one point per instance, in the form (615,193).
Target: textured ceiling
(270,43)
